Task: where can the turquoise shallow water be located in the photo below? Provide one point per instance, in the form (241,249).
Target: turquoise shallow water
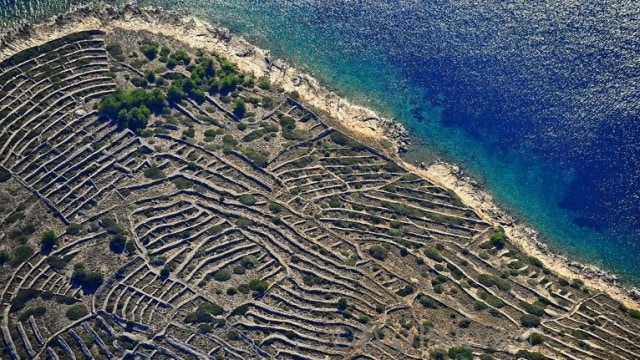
(537,101)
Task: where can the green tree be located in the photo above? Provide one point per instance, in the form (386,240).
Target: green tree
(49,239)
(131,108)
(89,281)
(117,243)
(239,108)
(4,257)
(150,50)
(498,239)
(342,304)
(536,338)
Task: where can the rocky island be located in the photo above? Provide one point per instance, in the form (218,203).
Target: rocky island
(170,191)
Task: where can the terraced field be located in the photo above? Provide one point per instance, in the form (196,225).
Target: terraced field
(234,222)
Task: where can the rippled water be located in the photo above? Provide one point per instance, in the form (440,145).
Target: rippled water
(539,100)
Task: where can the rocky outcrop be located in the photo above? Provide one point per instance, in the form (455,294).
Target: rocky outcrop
(392,130)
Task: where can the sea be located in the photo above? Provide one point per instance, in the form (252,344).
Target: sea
(539,101)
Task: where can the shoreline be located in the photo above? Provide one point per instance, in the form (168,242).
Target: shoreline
(358,121)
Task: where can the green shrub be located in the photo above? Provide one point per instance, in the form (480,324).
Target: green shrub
(89,281)
(130,246)
(221,275)
(254,135)
(183,183)
(491,300)
(175,94)
(22,297)
(212,308)
(248,262)
(533,309)
(498,239)
(634,313)
(14,217)
(4,257)
(275,207)
(117,243)
(5,175)
(74,229)
(524,354)
(165,51)
(150,76)
(405,291)
(339,138)
(240,310)
(529,321)
(501,283)
(198,316)
(378,252)
(247,199)
(150,50)
(427,302)
(21,254)
(239,108)
(259,158)
(460,353)
(210,133)
(334,202)
(47,295)
(139,82)
(264,83)
(258,286)
(433,254)
(154,173)
(115,50)
(479,305)
(239,270)
(535,262)
(36,312)
(536,338)
(439,354)
(295,95)
(131,108)
(56,262)
(229,141)
(76,312)
(342,304)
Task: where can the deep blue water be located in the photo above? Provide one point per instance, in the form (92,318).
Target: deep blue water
(538,100)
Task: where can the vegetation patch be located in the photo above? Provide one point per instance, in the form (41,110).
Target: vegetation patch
(77,312)
(131,108)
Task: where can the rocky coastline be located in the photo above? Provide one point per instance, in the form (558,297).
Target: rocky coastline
(524,237)
(362,122)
